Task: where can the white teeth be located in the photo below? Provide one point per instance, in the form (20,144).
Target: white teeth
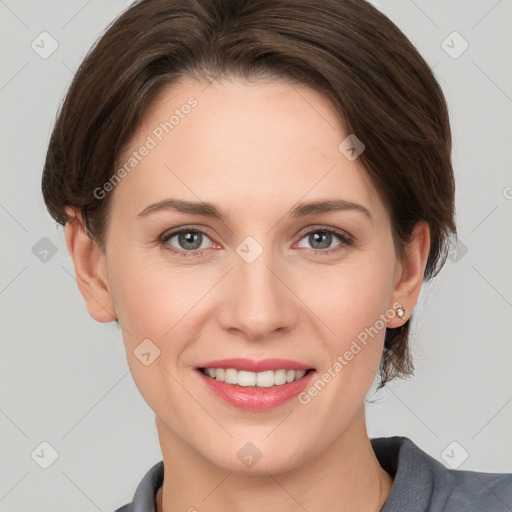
(244,378)
(231,376)
(265,379)
(280,377)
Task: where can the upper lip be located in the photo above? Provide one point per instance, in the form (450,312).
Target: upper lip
(252,365)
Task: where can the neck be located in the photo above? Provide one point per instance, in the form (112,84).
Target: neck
(345,477)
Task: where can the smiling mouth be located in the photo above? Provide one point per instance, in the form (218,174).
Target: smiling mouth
(265,379)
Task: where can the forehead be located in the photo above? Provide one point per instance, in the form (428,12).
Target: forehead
(241,142)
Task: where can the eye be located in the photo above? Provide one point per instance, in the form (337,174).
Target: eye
(193,242)
(321,240)
(185,241)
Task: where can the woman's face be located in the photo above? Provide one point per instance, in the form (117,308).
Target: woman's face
(271,279)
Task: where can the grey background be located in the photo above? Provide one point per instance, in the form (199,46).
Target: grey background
(64,377)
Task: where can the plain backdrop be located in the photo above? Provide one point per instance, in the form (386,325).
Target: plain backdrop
(64,378)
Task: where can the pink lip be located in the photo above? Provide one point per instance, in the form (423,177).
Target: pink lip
(252,398)
(250,365)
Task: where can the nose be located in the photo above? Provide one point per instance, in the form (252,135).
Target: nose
(258,299)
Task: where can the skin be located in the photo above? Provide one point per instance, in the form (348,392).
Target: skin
(254,149)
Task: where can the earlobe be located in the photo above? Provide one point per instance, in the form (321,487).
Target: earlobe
(89,263)
(412,269)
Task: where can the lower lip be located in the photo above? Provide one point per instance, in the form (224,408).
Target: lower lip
(252,398)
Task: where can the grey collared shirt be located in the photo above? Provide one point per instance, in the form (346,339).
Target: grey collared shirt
(421,483)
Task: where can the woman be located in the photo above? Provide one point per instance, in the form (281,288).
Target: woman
(255,190)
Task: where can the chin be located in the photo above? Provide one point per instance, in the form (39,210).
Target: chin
(258,458)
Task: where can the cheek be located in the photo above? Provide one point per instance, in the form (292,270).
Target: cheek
(352,300)
(148,295)
(156,300)
(152,303)
(353,295)
(161,302)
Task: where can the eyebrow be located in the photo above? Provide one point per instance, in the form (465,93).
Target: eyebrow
(209,210)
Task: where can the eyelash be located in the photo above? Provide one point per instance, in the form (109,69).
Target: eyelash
(345,241)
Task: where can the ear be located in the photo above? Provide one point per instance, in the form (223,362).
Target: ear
(90,269)
(409,274)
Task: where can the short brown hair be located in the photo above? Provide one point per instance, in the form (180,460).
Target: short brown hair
(382,88)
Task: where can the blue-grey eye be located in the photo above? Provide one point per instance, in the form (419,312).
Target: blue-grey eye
(188,240)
